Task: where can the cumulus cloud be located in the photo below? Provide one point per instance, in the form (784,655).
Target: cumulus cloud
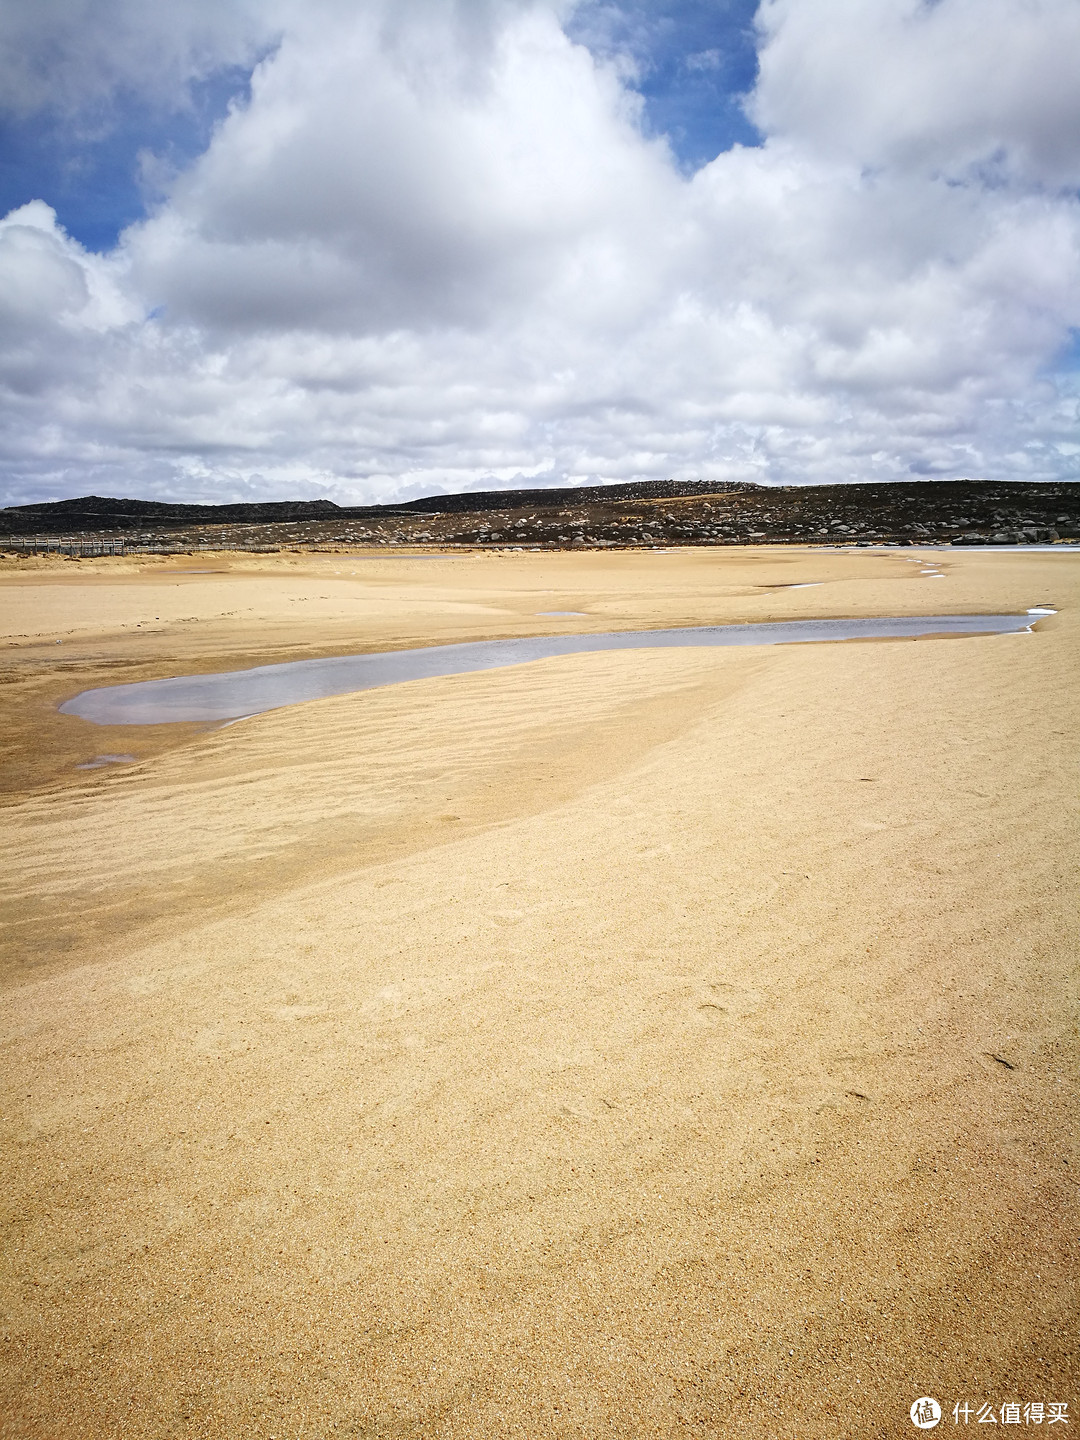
(967,89)
(440,189)
(71,55)
(436,250)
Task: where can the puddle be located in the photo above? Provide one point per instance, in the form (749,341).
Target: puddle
(100,760)
(237,693)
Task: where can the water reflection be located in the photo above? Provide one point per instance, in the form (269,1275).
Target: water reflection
(232,694)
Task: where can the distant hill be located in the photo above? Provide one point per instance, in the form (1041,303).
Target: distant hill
(478,500)
(648,513)
(97,512)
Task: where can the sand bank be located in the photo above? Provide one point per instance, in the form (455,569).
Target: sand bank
(647,1043)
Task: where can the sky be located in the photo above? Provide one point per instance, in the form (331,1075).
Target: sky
(377,249)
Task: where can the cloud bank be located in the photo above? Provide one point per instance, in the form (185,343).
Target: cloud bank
(436,249)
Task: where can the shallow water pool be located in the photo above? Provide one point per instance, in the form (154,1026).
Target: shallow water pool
(236,693)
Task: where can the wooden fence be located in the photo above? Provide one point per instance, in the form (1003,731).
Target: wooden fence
(56,545)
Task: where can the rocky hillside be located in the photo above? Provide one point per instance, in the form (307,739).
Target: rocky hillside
(654,513)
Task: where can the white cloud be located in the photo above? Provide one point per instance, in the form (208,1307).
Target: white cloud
(435,251)
(377,182)
(67,55)
(953,87)
(710,59)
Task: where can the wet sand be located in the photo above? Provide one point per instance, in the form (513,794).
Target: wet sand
(664,1042)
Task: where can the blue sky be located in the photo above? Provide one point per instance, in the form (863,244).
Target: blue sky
(89,166)
(434,245)
(696,59)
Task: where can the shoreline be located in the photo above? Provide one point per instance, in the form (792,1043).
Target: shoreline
(108,617)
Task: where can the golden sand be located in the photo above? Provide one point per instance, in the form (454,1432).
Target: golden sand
(653,1043)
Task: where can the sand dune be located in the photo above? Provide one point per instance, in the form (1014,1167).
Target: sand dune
(650,1043)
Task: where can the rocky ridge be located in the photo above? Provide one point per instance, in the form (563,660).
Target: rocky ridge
(649,514)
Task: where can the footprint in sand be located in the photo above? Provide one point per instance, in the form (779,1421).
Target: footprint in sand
(729,1000)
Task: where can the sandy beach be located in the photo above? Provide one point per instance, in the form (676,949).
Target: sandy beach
(674,1043)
